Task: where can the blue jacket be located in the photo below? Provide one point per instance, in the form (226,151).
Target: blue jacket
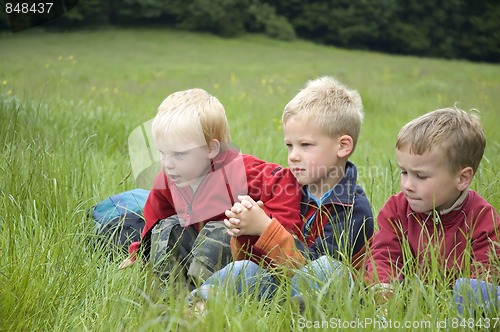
(340,225)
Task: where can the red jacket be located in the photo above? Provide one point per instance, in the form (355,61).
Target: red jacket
(232,174)
(474,223)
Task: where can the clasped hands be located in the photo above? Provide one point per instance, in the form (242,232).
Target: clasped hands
(246,217)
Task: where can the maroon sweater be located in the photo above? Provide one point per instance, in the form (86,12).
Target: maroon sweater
(474,223)
(232,174)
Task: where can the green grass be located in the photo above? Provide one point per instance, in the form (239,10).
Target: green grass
(68,103)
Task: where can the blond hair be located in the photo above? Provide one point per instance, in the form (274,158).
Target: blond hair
(330,105)
(457,133)
(193,115)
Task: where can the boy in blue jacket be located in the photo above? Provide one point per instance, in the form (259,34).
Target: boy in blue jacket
(321,126)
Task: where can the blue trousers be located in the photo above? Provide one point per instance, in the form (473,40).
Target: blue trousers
(247,276)
(470,294)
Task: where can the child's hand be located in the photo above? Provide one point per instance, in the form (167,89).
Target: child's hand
(381,293)
(244,203)
(129,261)
(246,218)
(232,223)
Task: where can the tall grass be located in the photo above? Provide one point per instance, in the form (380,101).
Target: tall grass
(68,103)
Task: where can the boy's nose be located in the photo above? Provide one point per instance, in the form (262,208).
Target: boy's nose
(293,156)
(406,184)
(166,162)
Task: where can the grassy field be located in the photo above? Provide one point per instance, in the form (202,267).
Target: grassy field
(68,103)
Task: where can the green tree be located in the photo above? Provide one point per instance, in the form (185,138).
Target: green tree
(87,13)
(263,18)
(345,23)
(422,28)
(223,17)
(229,18)
(480,36)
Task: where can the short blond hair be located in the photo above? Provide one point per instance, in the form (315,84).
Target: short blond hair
(193,115)
(336,109)
(457,133)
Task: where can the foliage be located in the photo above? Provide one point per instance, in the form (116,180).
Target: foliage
(265,18)
(480,39)
(451,29)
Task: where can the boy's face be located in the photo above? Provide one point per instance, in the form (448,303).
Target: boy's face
(427,181)
(184,162)
(312,156)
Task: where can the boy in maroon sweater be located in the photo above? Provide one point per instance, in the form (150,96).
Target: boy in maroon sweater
(435,214)
(201,177)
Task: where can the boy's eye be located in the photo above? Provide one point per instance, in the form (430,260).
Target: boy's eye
(179,154)
(176,155)
(403,172)
(305,145)
(421,177)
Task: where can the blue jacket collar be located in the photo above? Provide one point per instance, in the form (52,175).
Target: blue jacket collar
(343,193)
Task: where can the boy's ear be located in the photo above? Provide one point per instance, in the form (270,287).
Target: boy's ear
(346,146)
(464,178)
(213,148)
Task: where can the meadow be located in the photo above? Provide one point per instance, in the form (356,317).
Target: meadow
(68,102)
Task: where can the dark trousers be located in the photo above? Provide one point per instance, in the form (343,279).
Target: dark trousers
(178,251)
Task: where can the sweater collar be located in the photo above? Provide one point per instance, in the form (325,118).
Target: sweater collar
(457,205)
(225,156)
(436,215)
(343,193)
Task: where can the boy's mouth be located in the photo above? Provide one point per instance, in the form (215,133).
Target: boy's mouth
(173,177)
(410,198)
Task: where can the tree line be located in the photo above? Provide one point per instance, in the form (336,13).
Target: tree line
(453,29)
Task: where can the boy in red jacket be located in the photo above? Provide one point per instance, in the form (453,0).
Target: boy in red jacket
(321,126)
(200,179)
(435,214)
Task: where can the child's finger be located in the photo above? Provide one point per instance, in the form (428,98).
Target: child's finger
(246,198)
(246,204)
(234,221)
(230,214)
(232,232)
(227,224)
(260,204)
(231,222)
(231,229)
(237,208)
(129,261)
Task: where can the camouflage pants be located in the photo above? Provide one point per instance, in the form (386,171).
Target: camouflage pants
(182,251)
